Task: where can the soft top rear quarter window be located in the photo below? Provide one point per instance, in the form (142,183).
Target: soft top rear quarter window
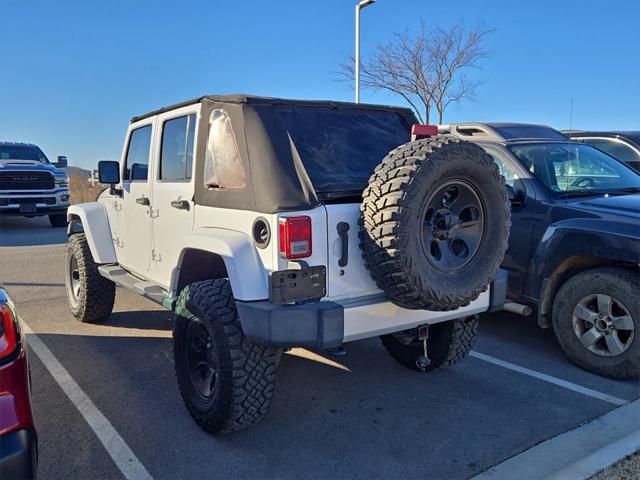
(222,163)
(340,148)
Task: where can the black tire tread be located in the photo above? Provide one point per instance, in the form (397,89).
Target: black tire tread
(247,368)
(448,344)
(384,199)
(97,294)
(628,366)
(58,220)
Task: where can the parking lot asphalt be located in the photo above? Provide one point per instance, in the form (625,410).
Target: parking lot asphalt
(360,415)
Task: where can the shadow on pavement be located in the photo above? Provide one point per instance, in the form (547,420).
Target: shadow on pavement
(360,415)
(22,232)
(142,319)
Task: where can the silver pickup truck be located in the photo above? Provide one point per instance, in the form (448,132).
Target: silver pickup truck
(30,185)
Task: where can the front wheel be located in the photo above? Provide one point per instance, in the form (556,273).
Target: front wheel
(58,220)
(226,379)
(448,343)
(596,319)
(90,295)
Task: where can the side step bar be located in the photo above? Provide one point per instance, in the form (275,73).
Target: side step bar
(121,277)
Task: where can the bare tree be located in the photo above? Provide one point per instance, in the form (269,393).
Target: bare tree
(428,70)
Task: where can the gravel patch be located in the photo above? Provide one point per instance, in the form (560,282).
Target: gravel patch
(626,469)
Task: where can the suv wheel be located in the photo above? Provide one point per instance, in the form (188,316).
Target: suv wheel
(90,295)
(596,318)
(435,223)
(58,220)
(448,343)
(226,379)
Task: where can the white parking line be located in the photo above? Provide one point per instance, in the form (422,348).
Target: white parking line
(577,454)
(115,445)
(548,378)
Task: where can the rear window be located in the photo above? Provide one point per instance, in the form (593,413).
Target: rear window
(529,131)
(340,148)
(22,152)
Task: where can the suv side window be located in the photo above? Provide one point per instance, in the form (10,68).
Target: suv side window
(222,163)
(137,159)
(614,148)
(509,175)
(176,151)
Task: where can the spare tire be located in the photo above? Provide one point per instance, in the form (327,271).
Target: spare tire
(435,223)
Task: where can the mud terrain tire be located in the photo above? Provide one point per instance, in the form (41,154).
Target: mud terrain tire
(90,295)
(421,201)
(448,343)
(226,379)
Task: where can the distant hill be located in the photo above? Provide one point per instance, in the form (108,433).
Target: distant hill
(78,172)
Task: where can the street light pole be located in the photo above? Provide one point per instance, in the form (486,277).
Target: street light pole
(359,6)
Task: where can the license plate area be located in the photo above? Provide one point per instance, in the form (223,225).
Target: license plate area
(286,286)
(28,208)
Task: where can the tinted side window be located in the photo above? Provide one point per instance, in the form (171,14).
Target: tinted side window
(137,160)
(176,154)
(509,175)
(617,150)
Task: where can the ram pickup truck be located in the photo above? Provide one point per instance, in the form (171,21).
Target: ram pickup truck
(30,185)
(266,224)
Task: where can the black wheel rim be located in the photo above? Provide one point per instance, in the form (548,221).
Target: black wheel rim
(452,226)
(199,353)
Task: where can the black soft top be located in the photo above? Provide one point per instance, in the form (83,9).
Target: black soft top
(297,154)
(258,100)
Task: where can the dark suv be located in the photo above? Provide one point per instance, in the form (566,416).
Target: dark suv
(625,146)
(574,249)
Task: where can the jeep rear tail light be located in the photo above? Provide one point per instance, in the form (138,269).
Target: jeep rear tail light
(8,331)
(423,131)
(295,237)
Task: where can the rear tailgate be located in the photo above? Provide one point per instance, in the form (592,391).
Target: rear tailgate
(352,279)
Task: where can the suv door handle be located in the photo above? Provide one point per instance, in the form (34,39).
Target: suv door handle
(343,228)
(181,204)
(143,201)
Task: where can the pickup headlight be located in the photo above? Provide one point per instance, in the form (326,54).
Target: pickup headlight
(62,181)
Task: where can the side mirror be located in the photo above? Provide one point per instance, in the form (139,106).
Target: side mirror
(108,172)
(516,196)
(62,162)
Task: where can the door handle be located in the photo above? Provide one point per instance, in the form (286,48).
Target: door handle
(143,201)
(343,228)
(181,204)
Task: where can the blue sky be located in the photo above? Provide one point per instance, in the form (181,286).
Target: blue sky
(72,73)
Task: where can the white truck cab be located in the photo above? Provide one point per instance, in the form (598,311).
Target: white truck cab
(266,224)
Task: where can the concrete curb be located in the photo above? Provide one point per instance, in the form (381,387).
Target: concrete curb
(576,454)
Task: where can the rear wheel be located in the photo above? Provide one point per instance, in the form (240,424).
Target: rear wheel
(58,220)
(448,343)
(596,319)
(90,295)
(226,379)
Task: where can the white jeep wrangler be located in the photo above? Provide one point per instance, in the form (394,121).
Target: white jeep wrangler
(266,224)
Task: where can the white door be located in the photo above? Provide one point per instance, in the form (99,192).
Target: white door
(135,247)
(172,189)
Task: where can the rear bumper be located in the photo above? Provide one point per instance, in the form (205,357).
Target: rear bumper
(312,325)
(18,455)
(328,324)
